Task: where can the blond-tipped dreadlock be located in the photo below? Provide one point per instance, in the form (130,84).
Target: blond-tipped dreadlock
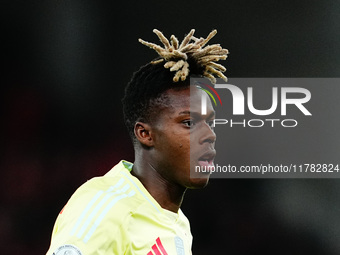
(175,55)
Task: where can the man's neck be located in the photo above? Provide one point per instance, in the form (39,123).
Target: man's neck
(168,195)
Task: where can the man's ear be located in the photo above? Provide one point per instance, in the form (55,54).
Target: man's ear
(143,133)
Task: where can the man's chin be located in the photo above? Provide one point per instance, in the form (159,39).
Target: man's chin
(200,174)
(198,183)
(202,170)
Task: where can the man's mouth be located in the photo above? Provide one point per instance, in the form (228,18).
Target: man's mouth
(207,160)
(206,163)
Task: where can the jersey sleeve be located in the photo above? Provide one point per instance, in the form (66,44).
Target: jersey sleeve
(94,221)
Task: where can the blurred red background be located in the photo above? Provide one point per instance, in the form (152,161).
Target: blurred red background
(64,69)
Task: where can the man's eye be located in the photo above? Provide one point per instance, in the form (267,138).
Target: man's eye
(211,123)
(188,123)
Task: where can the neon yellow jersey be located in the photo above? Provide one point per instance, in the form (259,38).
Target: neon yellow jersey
(115,214)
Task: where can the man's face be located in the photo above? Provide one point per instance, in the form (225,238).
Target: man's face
(183,138)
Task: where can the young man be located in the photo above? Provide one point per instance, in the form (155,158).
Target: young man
(135,208)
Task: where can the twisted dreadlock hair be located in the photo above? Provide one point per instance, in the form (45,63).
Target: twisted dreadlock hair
(145,93)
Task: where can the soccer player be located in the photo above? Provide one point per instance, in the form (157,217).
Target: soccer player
(135,208)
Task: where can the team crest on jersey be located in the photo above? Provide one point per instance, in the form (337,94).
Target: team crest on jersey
(67,249)
(179,245)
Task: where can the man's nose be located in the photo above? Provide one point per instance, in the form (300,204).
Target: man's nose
(208,134)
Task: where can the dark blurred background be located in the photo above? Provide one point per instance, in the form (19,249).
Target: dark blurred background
(64,68)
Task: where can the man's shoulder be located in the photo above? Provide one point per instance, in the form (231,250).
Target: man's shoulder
(112,198)
(115,191)
(101,205)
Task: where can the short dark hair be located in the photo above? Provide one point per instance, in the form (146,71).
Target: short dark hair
(145,92)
